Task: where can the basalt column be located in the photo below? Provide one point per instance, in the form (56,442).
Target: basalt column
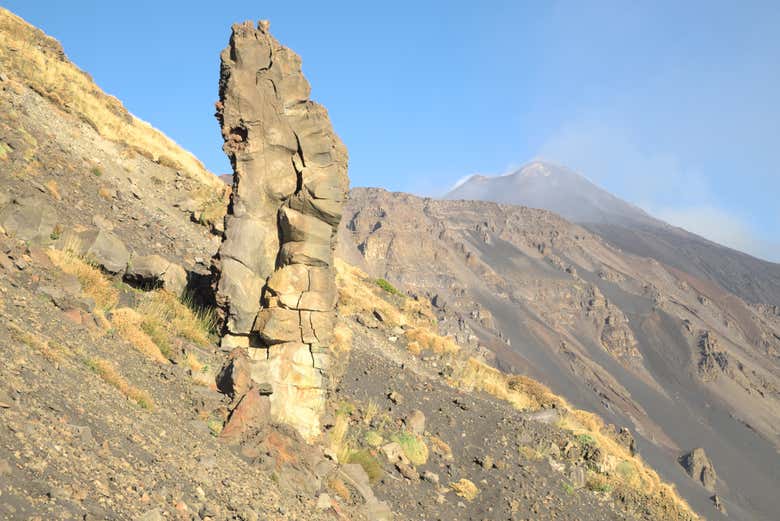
(276,285)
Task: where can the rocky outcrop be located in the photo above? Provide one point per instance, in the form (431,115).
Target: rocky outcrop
(699,467)
(274,276)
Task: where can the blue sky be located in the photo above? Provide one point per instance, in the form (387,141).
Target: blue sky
(671,105)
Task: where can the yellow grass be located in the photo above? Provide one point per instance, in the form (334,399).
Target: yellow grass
(440,447)
(53,188)
(111,376)
(370,412)
(168,316)
(127,323)
(465,489)
(94,283)
(29,56)
(338,438)
(422,339)
(37,342)
(522,392)
(342,338)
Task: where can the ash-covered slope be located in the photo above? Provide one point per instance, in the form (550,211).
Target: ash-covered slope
(687,363)
(567,193)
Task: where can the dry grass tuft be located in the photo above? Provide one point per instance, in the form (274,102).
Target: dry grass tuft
(338,438)
(371,409)
(111,376)
(341,490)
(37,342)
(522,392)
(342,338)
(167,316)
(465,489)
(94,283)
(440,447)
(53,188)
(128,323)
(423,339)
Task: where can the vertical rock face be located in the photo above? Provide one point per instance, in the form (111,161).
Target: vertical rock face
(275,281)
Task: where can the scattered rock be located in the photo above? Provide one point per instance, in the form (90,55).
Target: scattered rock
(719,504)
(699,467)
(415,421)
(324,502)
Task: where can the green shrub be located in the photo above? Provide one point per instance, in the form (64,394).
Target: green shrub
(370,464)
(586,440)
(385,285)
(414,447)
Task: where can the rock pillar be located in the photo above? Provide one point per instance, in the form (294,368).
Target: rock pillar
(275,283)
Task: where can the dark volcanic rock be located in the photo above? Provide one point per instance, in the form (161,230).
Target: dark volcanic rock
(699,467)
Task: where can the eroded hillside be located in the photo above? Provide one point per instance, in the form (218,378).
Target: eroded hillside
(678,359)
(116,400)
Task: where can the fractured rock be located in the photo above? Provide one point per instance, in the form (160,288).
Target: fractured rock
(274,277)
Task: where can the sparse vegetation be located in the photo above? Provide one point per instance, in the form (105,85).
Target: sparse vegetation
(73,91)
(111,376)
(368,461)
(465,489)
(440,447)
(423,339)
(53,188)
(385,285)
(523,393)
(37,342)
(128,324)
(373,439)
(94,283)
(414,447)
(96,171)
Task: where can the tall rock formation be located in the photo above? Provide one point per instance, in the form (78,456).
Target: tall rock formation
(275,282)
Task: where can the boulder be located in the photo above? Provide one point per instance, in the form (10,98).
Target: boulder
(156,271)
(415,421)
(101,247)
(28,218)
(699,467)
(252,411)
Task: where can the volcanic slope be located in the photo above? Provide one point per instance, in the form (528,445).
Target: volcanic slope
(552,187)
(679,359)
(109,401)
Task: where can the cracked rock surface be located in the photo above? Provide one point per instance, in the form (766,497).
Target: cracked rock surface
(275,282)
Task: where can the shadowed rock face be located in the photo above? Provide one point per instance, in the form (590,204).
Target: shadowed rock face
(275,284)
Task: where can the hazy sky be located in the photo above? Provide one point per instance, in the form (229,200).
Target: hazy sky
(673,107)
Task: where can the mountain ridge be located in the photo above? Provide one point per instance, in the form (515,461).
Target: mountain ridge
(628,227)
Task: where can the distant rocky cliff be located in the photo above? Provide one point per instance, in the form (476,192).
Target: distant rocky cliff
(275,282)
